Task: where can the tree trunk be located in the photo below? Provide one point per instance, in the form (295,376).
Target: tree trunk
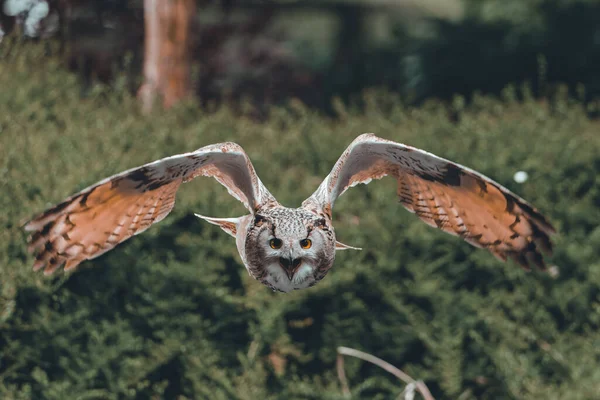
(167,51)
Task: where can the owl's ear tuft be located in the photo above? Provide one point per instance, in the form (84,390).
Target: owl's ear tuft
(229,225)
(259,219)
(342,246)
(321,223)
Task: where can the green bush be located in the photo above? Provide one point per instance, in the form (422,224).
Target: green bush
(173,314)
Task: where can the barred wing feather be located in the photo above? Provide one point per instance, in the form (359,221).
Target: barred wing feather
(444,195)
(109,212)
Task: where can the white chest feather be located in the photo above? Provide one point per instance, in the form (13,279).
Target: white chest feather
(301,279)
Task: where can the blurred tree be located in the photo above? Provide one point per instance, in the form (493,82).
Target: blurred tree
(167,58)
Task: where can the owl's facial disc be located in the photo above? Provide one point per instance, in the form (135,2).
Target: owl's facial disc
(289,249)
(290,261)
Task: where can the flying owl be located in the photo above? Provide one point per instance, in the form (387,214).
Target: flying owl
(291,248)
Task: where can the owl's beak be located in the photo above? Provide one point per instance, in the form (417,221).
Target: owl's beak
(290,265)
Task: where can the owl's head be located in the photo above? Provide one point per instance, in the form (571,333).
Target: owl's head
(289,249)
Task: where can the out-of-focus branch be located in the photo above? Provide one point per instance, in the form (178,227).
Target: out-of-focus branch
(346,351)
(342,373)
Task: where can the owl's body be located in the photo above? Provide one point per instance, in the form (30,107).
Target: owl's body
(291,248)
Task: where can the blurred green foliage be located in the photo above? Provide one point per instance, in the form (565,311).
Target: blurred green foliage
(173,314)
(438,48)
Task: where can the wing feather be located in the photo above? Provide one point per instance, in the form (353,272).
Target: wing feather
(444,195)
(98,218)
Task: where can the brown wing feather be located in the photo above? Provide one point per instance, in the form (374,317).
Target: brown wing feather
(444,195)
(100,217)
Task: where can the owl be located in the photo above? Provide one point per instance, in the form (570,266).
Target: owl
(291,248)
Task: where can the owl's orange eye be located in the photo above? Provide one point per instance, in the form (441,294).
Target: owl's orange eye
(275,243)
(305,243)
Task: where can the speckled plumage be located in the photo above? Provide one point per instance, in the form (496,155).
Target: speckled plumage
(291,248)
(290,225)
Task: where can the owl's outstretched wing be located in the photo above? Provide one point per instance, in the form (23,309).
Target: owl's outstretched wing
(109,212)
(445,195)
